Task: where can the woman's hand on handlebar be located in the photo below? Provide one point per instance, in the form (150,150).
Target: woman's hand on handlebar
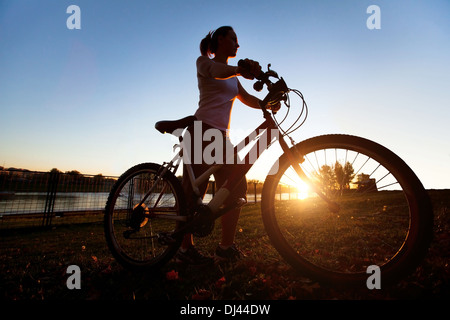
(250,69)
(274,107)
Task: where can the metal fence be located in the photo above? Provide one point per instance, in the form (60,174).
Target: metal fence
(34,199)
(29,198)
(44,199)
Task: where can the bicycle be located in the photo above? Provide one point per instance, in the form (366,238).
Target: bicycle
(364,205)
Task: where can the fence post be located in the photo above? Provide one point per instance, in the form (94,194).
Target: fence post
(52,186)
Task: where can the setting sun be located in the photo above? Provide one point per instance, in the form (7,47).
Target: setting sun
(298,189)
(302,190)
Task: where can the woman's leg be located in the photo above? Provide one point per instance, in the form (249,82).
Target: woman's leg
(230,219)
(188,240)
(229,225)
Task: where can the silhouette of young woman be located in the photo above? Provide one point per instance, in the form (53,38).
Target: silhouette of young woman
(219,87)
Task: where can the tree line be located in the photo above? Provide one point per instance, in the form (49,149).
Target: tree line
(338,178)
(23,180)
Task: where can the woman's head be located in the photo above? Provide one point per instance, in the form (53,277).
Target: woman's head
(223,38)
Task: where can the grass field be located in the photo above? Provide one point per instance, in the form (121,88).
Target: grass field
(33,266)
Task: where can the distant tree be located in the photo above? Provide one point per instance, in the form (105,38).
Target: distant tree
(98,178)
(335,178)
(344,175)
(326,178)
(73,176)
(73,173)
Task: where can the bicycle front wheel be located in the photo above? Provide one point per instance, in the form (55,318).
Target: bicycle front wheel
(142,206)
(384,219)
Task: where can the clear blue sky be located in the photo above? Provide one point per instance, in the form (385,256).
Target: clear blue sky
(88,99)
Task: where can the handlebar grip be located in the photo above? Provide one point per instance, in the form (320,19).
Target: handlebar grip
(258,86)
(244,64)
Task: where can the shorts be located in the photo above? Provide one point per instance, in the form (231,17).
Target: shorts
(198,167)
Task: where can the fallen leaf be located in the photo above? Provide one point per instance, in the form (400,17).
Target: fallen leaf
(220,282)
(172,275)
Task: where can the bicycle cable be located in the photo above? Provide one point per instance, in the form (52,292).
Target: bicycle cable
(287,103)
(303,113)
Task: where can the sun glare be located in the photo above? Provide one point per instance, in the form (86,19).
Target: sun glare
(298,189)
(302,190)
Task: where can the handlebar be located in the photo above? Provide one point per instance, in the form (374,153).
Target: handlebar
(277,90)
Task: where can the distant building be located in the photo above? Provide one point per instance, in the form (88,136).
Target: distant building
(365,183)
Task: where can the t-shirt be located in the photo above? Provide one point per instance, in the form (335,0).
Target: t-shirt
(216,95)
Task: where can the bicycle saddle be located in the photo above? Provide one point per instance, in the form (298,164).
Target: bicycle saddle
(169,126)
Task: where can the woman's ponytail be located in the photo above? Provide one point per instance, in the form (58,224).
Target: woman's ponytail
(208,45)
(205,45)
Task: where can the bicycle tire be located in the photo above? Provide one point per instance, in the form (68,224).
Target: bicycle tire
(131,235)
(385,214)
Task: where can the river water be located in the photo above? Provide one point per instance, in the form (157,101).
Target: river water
(34,202)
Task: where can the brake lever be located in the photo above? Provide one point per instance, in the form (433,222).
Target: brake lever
(264,79)
(271,73)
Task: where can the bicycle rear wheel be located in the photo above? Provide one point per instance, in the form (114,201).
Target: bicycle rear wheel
(385,217)
(132,230)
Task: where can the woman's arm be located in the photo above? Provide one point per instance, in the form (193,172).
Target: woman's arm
(246,98)
(252,101)
(210,69)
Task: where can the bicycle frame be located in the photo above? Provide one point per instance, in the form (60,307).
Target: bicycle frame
(265,128)
(268,128)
